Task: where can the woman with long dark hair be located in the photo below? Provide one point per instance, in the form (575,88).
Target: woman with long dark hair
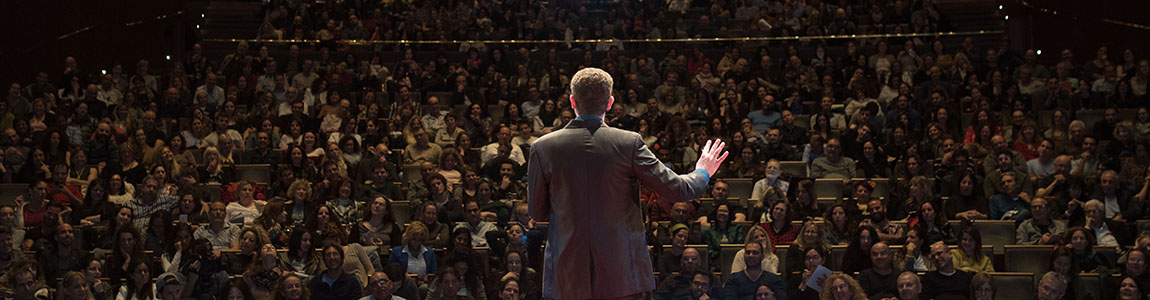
(128,245)
(929,221)
(839,225)
(967,200)
(857,256)
(969,254)
(378,223)
(301,255)
(139,284)
(95,209)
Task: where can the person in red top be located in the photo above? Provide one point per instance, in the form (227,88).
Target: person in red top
(35,202)
(779,229)
(59,191)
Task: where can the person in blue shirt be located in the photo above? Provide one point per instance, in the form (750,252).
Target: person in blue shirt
(1010,204)
(901,105)
(766,118)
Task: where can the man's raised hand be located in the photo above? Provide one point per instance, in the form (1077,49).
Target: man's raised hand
(712,157)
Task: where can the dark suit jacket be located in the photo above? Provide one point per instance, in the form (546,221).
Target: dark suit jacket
(582,179)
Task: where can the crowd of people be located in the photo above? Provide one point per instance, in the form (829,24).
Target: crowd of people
(133,189)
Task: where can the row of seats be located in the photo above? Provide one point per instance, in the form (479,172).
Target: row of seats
(1017,281)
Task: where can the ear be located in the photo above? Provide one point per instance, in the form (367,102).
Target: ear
(610,102)
(572,102)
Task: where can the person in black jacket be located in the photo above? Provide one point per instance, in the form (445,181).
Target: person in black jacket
(333,283)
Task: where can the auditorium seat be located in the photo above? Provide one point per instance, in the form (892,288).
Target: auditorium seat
(836,261)
(881,187)
(211,192)
(402,211)
(1027,258)
(411,172)
(781,252)
(8,192)
(994,232)
(796,168)
(828,187)
(803,121)
(726,256)
(1014,285)
(258,173)
(1090,284)
(740,188)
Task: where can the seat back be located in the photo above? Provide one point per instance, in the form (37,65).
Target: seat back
(794,168)
(258,173)
(412,173)
(402,211)
(740,188)
(1013,285)
(1027,258)
(828,188)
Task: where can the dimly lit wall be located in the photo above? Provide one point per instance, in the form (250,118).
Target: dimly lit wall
(1078,27)
(32,27)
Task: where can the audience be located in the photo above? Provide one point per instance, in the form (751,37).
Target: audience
(942,133)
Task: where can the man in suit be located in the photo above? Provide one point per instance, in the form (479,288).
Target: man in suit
(582,179)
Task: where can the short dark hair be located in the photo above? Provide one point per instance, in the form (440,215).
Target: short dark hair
(591,89)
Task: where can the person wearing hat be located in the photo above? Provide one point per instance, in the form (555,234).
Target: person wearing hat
(669,258)
(170,286)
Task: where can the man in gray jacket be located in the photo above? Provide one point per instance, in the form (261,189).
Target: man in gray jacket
(582,179)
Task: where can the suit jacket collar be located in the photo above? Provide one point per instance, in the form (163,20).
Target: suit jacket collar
(585,123)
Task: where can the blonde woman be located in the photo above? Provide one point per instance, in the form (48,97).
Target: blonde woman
(73,287)
(770,261)
(810,235)
(214,170)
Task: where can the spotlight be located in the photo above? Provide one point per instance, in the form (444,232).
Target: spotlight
(1039,52)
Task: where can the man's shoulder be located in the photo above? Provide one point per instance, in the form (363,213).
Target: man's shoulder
(559,136)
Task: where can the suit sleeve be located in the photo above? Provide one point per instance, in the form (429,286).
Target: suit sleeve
(657,177)
(538,193)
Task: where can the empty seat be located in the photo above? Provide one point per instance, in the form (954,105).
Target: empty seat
(8,193)
(211,192)
(781,252)
(1089,284)
(1027,258)
(260,173)
(726,256)
(837,254)
(740,188)
(401,211)
(412,173)
(994,232)
(828,188)
(1013,285)
(881,187)
(794,168)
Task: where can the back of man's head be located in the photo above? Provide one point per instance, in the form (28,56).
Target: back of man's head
(591,91)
